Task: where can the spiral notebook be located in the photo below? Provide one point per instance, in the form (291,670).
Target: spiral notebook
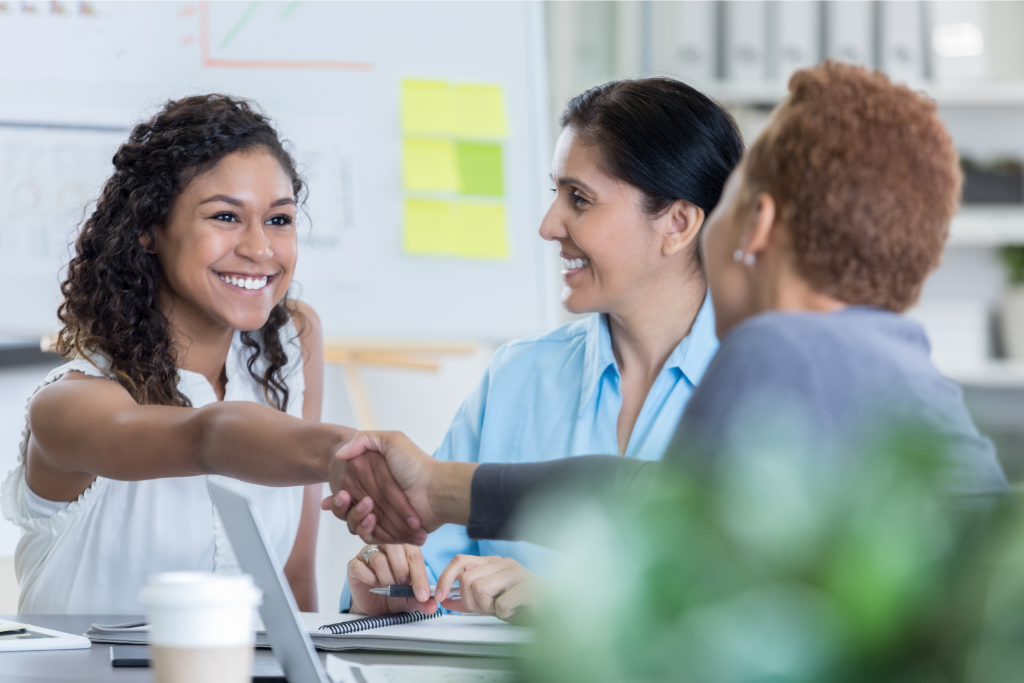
(404,632)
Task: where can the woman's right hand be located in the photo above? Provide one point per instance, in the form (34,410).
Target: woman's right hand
(393,565)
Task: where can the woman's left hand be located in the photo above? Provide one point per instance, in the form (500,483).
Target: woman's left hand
(489,585)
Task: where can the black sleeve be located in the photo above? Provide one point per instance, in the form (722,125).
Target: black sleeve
(499,491)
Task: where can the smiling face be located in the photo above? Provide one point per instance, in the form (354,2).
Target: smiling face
(229,246)
(611,251)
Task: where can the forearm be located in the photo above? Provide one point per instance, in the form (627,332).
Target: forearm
(250,442)
(499,493)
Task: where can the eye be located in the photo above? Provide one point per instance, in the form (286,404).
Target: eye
(225,216)
(577,200)
(280,221)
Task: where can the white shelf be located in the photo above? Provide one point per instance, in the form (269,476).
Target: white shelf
(998,94)
(993,374)
(987,227)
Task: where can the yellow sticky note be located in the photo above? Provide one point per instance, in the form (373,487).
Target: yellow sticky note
(430,227)
(482,231)
(479,111)
(427,107)
(429,164)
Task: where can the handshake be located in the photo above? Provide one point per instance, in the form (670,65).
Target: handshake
(391,492)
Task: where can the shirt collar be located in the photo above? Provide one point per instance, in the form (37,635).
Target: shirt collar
(691,357)
(694,353)
(599,356)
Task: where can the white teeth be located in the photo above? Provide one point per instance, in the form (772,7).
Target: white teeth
(574,263)
(245,283)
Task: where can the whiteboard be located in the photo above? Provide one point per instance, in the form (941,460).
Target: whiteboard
(330,76)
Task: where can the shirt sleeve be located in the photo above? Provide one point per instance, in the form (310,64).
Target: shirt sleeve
(500,492)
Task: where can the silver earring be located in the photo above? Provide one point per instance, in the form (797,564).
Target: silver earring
(747,259)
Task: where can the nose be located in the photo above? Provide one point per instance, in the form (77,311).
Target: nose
(552,227)
(254,244)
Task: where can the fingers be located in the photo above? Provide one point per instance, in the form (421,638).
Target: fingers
(520,594)
(381,565)
(451,573)
(392,492)
(360,443)
(483,584)
(418,573)
(399,563)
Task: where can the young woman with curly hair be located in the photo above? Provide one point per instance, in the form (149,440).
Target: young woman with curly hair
(187,362)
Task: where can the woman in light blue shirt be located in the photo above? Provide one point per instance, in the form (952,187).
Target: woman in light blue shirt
(637,168)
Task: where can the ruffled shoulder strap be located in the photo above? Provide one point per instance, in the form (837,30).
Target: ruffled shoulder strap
(12,502)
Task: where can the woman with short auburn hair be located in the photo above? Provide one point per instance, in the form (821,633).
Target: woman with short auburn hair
(825,232)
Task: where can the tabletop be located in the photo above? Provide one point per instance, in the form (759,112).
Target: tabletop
(93,665)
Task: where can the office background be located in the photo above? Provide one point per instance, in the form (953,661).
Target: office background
(967,55)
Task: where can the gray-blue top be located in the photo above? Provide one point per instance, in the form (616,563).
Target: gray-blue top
(832,376)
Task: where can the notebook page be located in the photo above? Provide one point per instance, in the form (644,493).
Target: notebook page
(455,629)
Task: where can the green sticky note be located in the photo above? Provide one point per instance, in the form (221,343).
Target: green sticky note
(482,231)
(427,107)
(480,169)
(479,111)
(429,164)
(430,227)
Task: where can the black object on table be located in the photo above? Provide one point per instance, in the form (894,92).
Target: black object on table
(93,665)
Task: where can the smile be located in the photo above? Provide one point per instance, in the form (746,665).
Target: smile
(247,281)
(575,263)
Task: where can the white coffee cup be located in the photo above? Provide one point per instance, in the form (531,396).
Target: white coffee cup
(202,626)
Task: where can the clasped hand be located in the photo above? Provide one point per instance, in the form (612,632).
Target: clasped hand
(488,585)
(383,486)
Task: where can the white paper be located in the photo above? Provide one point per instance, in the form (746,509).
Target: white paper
(343,671)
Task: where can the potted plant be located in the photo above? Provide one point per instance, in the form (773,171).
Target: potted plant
(1013,302)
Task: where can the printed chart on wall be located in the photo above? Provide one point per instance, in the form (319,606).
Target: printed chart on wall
(420,129)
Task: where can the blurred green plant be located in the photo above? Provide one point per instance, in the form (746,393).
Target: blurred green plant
(1013,263)
(776,569)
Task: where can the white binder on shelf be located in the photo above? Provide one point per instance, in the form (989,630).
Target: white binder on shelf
(902,40)
(958,42)
(745,41)
(692,41)
(794,37)
(849,31)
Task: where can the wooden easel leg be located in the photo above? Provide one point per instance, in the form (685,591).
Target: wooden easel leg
(357,395)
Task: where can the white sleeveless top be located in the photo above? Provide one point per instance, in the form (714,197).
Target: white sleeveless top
(92,556)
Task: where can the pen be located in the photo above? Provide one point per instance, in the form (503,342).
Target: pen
(395,591)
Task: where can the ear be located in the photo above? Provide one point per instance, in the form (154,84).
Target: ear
(760,226)
(148,240)
(682,225)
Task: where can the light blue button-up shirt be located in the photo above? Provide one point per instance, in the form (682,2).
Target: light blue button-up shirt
(558,395)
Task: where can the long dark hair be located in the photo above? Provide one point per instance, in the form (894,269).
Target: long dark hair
(111,293)
(661,136)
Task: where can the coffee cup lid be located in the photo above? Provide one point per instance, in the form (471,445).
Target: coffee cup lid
(180,589)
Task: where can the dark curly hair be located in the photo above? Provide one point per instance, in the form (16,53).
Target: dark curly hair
(111,293)
(866,178)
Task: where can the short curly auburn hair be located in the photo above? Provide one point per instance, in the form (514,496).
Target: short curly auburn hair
(866,179)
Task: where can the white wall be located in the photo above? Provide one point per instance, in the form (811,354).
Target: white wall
(420,403)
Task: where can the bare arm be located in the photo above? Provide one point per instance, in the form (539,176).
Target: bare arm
(301,566)
(84,427)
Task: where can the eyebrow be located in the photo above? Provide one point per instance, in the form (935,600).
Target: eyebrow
(237,202)
(573,181)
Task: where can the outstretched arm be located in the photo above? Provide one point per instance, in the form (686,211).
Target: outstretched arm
(84,427)
(485,498)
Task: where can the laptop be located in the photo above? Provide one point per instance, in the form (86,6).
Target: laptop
(287,635)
